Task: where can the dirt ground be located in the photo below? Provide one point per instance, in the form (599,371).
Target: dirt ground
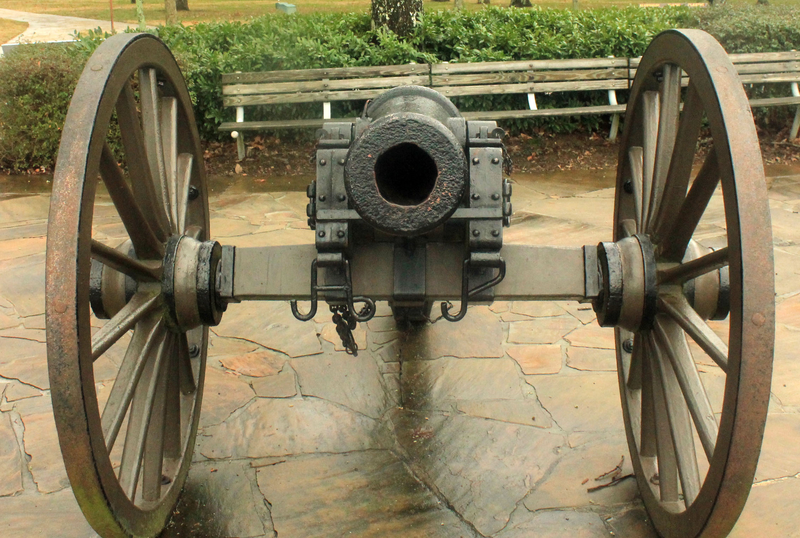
(270,157)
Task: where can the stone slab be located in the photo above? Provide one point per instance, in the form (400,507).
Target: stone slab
(541,331)
(10,461)
(434,384)
(280,427)
(587,402)
(537,359)
(281,385)
(365,494)
(271,325)
(257,364)
(24,516)
(223,393)
(556,524)
(591,359)
(353,382)
(592,336)
(479,334)
(526,412)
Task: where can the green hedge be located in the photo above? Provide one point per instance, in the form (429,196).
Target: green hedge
(36,83)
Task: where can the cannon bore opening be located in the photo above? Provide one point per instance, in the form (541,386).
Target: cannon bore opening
(405,174)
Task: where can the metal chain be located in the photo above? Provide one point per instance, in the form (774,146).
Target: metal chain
(345,323)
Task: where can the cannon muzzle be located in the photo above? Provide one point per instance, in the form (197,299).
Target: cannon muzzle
(406,171)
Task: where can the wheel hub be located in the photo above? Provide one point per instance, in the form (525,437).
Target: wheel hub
(189,283)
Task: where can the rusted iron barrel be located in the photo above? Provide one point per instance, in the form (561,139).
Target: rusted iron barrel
(406,171)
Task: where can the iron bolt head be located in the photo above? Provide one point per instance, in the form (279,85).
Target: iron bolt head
(476,233)
(341,162)
(476,196)
(495,233)
(495,160)
(322,198)
(340,234)
(342,197)
(194,351)
(321,233)
(194,192)
(495,196)
(323,162)
(627,345)
(476,160)
(628,186)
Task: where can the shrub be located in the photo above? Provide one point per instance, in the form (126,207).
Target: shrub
(36,85)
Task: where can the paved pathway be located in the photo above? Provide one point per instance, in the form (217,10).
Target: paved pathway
(491,427)
(43,27)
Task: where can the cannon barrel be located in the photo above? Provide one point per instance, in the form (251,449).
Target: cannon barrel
(406,171)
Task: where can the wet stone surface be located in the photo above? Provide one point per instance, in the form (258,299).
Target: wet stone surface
(496,426)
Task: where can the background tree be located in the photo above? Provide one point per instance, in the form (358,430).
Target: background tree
(399,16)
(182,5)
(171,12)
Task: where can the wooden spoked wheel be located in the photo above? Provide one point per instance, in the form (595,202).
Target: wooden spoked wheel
(694,391)
(128,447)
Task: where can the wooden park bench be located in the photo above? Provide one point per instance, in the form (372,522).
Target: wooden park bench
(537,79)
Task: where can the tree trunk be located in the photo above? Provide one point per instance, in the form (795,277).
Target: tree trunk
(140,15)
(182,5)
(521,3)
(171,13)
(399,16)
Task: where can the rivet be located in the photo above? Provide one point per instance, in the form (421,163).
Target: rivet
(476,160)
(495,160)
(194,350)
(495,233)
(321,233)
(342,197)
(495,196)
(341,161)
(194,192)
(340,234)
(476,196)
(323,162)
(322,198)
(628,186)
(627,345)
(476,233)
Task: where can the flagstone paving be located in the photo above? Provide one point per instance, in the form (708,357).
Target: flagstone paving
(492,427)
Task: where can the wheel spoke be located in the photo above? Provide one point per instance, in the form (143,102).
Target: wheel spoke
(172,427)
(680,425)
(153,457)
(169,145)
(651,111)
(673,341)
(125,264)
(692,209)
(144,240)
(151,123)
(665,447)
(679,274)
(185,163)
(185,365)
(141,304)
(680,166)
(635,156)
(634,379)
(145,191)
(140,418)
(647,447)
(670,100)
(678,308)
(145,337)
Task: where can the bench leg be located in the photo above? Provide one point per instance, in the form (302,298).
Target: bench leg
(240,150)
(612,135)
(796,122)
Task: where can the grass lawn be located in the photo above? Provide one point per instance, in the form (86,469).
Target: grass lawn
(209,10)
(11,29)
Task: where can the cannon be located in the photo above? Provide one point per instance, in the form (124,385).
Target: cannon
(408,206)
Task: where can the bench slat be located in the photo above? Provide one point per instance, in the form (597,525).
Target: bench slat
(776,67)
(760,57)
(277,124)
(775,101)
(284,98)
(318,74)
(491,67)
(521,77)
(533,87)
(323,85)
(767,77)
(544,112)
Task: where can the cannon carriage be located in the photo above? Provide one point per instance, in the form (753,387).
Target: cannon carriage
(408,207)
